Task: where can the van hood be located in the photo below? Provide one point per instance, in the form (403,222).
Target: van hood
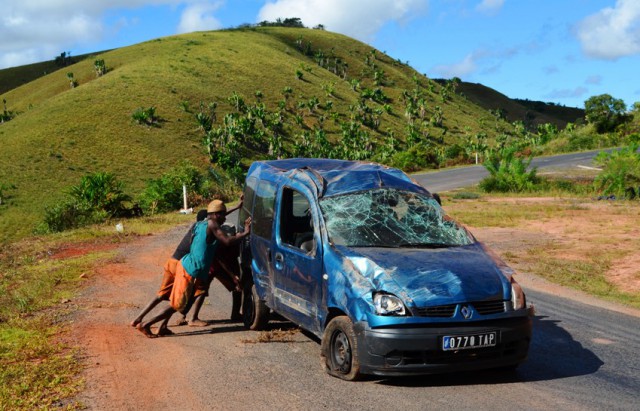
(428,277)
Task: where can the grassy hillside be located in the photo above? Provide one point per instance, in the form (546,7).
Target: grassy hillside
(62,133)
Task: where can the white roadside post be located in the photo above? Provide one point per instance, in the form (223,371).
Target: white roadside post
(185,210)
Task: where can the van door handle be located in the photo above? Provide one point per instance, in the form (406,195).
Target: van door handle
(279,261)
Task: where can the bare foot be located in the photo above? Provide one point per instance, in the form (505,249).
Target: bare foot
(144,329)
(198,323)
(135,323)
(162,332)
(180,321)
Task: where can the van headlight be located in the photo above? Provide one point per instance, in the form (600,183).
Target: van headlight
(388,304)
(518,300)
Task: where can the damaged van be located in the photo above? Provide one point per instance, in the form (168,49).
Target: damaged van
(367,260)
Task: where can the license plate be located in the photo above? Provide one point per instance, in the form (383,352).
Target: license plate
(465,342)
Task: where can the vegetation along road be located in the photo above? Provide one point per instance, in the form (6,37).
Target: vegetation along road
(583,355)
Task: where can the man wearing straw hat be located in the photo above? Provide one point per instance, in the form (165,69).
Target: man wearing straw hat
(195,265)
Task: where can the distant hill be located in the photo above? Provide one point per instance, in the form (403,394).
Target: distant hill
(531,113)
(13,77)
(313,84)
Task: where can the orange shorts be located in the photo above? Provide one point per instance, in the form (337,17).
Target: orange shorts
(181,296)
(167,279)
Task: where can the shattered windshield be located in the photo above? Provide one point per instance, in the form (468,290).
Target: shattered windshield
(390,218)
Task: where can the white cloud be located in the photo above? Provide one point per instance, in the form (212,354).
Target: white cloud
(199,17)
(613,32)
(490,6)
(360,19)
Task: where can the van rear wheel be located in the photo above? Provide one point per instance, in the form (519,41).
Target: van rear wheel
(255,313)
(339,349)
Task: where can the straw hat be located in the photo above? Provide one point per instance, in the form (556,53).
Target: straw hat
(216,206)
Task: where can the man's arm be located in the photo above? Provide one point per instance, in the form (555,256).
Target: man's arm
(231,210)
(214,231)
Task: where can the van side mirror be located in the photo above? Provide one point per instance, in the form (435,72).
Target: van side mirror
(436,197)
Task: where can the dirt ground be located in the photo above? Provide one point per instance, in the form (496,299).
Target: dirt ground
(588,231)
(117,373)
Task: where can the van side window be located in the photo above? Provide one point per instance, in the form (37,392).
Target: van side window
(263,210)
(296,224)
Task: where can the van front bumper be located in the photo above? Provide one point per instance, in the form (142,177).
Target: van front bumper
(395,351)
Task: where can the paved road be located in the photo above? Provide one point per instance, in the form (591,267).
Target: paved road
(451,179)
(581,358)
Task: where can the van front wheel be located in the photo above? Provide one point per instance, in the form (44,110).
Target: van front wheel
(255,313)
(339,350)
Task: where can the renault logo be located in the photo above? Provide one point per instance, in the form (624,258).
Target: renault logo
(466,312)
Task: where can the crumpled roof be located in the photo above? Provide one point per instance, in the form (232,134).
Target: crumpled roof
(343,176)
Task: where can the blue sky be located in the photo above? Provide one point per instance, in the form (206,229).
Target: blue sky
(559,51)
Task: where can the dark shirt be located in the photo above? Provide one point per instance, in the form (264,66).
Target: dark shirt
(185,245)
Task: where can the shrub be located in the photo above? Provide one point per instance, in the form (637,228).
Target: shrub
(456,153)
(508,173)
(97,198)
(146,116)
(165,193)
(415,158)
(68,215)
(100,67)
(621,172)
(6,115)
(72,81)
(101,192)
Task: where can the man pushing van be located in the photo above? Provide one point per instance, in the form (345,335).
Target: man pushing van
(195,265)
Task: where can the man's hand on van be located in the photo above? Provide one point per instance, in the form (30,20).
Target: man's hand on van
(247,225)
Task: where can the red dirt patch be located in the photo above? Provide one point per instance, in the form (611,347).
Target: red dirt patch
(78,250)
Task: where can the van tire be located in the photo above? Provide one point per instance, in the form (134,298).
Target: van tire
(339,350)
(255,313)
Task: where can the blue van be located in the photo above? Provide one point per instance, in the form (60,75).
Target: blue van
(367,260)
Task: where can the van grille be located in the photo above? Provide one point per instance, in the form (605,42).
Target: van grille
(489,307)
(447,311)
(443,311)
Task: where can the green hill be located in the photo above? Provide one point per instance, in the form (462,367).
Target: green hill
(531,113)
(61,133)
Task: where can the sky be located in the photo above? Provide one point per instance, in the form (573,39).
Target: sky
(555,51)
